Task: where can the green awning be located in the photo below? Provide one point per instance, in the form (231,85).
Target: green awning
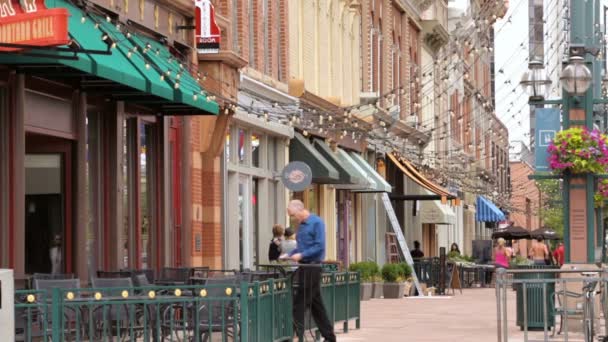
(322,170)
(134,74)
(367,183)
(381,184)
(348,175)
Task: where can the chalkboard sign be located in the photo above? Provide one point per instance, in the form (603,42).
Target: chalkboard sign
(453,277)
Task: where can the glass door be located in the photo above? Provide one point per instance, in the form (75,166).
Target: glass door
(45,218)
(245,230)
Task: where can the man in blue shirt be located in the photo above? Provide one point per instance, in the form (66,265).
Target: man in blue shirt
(310,250)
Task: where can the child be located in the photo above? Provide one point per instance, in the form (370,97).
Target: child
(274,250)
(289,244)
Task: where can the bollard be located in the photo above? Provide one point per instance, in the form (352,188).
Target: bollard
(7,305)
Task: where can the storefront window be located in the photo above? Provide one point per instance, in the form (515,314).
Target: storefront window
(256,226)
(227,147)
(255,149)
(242,150)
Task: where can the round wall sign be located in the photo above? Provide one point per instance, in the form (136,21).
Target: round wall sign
(296,176)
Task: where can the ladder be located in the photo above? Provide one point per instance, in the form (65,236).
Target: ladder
(405,251)
(392,250)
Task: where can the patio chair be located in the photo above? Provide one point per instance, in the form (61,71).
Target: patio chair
(200,272)
(45,288)
(174,275)
(113,318)
(149,273)
(174,320)
(113,274)
(562,311)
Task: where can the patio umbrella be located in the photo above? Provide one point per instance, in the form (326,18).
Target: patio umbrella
(545,234)
(511,233)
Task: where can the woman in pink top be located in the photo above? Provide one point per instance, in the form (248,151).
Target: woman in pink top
(501,255)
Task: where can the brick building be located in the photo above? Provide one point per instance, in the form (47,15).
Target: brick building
(526,200)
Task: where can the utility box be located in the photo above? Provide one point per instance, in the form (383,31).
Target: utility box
(7,305)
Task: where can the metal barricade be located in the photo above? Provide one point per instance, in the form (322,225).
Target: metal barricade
(552,304)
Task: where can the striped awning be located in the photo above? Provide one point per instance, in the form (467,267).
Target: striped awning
(486,211)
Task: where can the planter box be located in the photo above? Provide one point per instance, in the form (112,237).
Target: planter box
(377,291)
(366,291)
(393,290)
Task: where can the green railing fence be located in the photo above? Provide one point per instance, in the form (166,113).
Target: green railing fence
(246,311)
(341,296)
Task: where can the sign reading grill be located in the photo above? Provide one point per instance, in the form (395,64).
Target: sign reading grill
(31,23)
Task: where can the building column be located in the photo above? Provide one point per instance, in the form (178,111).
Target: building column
(80,192)
(212,235)
(114,189)
(5,160)
(17,176)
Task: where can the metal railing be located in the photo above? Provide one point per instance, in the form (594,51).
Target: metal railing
(551,302)
(240,311)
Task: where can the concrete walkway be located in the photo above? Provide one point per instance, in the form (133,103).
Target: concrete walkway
(470,316)
(466,317)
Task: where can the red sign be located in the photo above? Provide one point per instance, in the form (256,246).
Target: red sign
(208,33)
(29,22)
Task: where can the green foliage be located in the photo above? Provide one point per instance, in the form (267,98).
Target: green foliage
(368,270)
(392,273)
(406,270)
(552,210)
(520,261)
(453,255)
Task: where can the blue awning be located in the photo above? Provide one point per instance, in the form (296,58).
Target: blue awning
(486,211)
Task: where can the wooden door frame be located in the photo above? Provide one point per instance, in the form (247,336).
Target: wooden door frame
(41,144)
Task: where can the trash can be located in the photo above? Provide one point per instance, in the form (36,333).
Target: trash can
(534,297)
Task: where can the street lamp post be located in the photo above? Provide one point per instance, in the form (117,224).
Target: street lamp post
(577,110)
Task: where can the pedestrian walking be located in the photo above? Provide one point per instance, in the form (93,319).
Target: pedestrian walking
(417,253)
(559,254)
(274,249)
(539,252)
(502,254)
(310,251)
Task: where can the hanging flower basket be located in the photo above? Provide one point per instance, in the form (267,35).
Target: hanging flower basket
(601,196)
(578,151)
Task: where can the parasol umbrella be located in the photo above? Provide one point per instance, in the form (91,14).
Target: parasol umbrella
(511,233)
(545,234)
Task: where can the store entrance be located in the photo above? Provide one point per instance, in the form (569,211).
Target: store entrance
(47,206)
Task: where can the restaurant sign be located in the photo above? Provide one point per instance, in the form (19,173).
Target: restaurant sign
(208,33)
(30,22)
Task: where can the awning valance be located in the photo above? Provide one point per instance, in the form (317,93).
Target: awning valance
(436,213)
(409,170)
(486,211)
(122,65)
(381,184)
(323,171)
(348,174)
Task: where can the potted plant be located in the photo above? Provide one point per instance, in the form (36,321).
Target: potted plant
(377,283)
(365,276)
(392,274)
(578,151)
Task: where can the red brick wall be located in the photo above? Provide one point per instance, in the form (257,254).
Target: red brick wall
(524,189)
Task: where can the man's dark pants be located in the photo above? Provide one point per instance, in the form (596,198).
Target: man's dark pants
(309,296)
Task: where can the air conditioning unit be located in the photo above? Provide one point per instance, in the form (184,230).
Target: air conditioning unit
(412,120)
(368,97)
(395,111)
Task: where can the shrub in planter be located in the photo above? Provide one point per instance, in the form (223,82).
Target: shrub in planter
(392,274)
(365,272)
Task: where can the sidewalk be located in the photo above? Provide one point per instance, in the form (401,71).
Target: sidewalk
(470,317)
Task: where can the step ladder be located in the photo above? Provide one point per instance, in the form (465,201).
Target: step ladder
(392,249)
(403,249)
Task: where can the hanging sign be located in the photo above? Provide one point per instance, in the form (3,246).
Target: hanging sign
(208,33)
(296,176)
(30,22)
(547,125)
